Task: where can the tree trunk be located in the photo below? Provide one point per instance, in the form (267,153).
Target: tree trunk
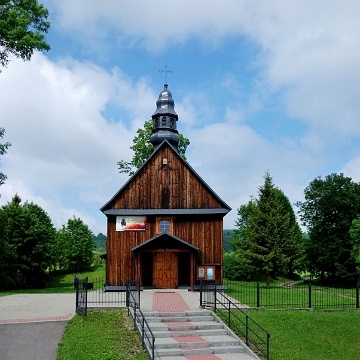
(268,279)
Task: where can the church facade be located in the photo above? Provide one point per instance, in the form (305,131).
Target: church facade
(165,225)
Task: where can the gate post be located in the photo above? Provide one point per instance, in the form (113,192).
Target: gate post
(357,295)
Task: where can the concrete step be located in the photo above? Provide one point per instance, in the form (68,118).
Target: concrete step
(194,333)
(195,341)
(186,333)
(210,325)
(177,314)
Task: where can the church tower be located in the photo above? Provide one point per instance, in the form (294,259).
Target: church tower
(164,120)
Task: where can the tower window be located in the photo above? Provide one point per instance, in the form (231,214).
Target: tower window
(164,226)
(164,121)
(172,123)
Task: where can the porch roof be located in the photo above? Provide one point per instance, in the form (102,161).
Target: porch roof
(163,236)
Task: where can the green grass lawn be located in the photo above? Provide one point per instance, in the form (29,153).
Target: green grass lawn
(60,282)
(302,335)
(102,335)
(297,296)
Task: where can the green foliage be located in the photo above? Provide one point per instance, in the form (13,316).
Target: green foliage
(330,206)
(234,268)
(143,148)
(75,246)
(28,237)
(355,237)
(3,149)
(268,239)
(22,28)
(295,245)
(100,242)
(227,237)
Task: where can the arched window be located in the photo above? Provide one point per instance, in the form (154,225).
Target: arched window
(164,226)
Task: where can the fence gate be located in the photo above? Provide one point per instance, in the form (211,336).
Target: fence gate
(81,296)
(207,293)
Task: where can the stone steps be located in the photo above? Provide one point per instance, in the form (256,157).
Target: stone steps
(194,333)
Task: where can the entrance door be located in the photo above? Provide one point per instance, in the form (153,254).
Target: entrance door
(165,270)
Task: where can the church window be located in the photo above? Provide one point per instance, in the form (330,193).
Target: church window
(164,121)
(164,226)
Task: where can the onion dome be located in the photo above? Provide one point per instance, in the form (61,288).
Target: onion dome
(164,120)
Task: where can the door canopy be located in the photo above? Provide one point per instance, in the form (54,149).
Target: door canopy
(165,241)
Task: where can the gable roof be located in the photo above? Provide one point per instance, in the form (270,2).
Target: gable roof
(224,208)
(165,236)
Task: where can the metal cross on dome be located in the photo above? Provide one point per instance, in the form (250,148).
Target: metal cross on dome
(166,71)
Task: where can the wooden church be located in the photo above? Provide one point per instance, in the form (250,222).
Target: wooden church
(165,225)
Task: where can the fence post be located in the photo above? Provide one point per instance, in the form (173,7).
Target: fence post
(139,291)
(201,293)
(215,297)
(258,294)
(310,305)
(357,295)
(127,293)
(77,296)
(229,314)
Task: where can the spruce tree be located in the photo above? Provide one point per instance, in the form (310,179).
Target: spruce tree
(268,232)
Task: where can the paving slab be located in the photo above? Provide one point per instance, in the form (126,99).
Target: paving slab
(25,308)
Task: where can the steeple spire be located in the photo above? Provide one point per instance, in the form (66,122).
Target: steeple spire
(164,120)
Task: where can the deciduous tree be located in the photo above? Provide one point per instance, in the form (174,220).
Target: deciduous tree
(330,206)
(75,244)
(23,25)
(143,148)
(27,235)
(3,149)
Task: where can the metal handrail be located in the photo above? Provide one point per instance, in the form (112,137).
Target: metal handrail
(140,322)
(252,337)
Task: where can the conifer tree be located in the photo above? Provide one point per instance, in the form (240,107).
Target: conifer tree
(268,232)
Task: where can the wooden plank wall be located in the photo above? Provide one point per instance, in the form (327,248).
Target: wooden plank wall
(146,189)
(204,234)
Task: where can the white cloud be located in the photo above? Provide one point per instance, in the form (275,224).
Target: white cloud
(64,152)
(309,50)
(352,169)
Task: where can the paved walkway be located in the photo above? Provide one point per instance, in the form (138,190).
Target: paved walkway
(169,300)
(25,308)
(31,325)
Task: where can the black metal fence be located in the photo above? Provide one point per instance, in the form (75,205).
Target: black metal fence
(292,296)
(100,296)
(95,294)
(140,323)
(253,334)
(81,296)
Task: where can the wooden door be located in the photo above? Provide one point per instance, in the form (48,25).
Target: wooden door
(165,270)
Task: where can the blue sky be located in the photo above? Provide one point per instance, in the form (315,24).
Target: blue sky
(258,86)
